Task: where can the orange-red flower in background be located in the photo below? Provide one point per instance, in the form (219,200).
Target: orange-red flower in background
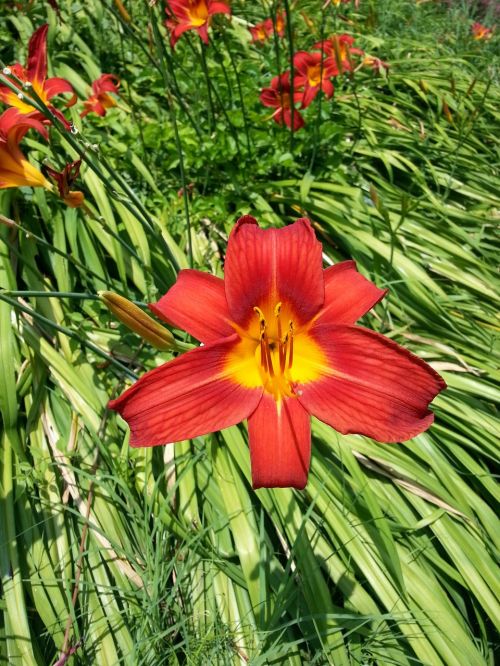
(340,48)
(279,344)
(262,31)
(101,100)
(64,180)
(15,169)
(279,96)
(313,73)
(35,75)
(480,31)
(192,15)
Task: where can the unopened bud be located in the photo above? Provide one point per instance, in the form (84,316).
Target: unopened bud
(137,320)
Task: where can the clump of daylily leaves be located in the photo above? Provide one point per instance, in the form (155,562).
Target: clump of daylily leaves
(27,84)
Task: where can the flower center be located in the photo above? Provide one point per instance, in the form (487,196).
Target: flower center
(314,75)
(274,355)
(198,14)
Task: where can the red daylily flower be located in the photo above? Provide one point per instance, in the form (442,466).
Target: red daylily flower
(15,169)
(36,74)
(340,48)
(192,15)
(262,31)
(313,72)
(101,100)
(64,180)
(279,96)
(279,344)
(480,31)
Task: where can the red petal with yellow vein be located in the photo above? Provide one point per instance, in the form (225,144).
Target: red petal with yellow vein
(266,266)
(372,386)
(280,443)
(197,304)
(348,295)
(37,55)
(186,397)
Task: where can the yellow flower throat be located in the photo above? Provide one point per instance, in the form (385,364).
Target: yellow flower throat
(274,353)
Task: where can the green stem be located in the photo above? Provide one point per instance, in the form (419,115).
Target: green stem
(164,57)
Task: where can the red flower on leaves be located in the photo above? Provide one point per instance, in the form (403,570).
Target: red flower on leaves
(35,74)
(192,15)
(481,32)
(101,100)
(279,344)
(279,96)
(312,73)
(340,48)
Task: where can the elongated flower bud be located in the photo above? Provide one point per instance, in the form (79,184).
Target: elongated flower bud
(137,320)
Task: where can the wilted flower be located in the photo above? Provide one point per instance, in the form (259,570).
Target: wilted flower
(34,75)
(101,100)
(192,15)
(375,63)
(313,72)
(279,344)
(64,180)
(279,96)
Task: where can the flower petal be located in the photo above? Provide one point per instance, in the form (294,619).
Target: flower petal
(37,55)
(371,386)
(348,295)
(12,118)
(264,267)
(268,97)
(189,396)
(197,304)
(298,121)
(280,443)
(218,8)
(56,86)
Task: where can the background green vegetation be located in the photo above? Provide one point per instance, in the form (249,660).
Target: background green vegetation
(388,556)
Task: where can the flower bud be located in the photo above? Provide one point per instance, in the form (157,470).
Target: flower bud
(137,320)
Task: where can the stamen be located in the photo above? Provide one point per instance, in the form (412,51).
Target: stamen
(290,352)
(283,346)
(262,319)
(263,355)
(269,357)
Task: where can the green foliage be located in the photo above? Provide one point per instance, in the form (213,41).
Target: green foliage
(389,555)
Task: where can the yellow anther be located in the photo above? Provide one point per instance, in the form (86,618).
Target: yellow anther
(277,309)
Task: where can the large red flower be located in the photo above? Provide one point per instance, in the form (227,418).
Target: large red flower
(313,73)
(192,15)
(279,96)
(279,344)
(35,74)
(101,100)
